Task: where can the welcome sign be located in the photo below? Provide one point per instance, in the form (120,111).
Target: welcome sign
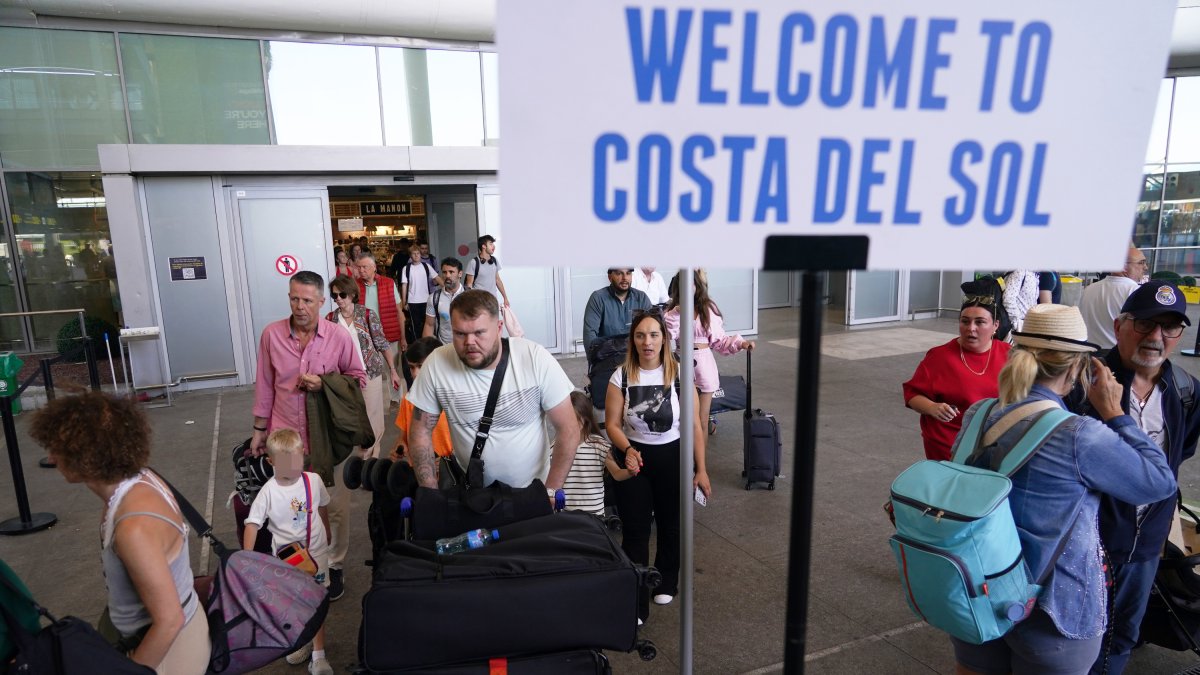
(954,135)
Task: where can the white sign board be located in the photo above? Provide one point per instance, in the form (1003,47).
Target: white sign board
(955,135)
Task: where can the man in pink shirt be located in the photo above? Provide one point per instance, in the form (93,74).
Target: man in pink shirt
(293,353)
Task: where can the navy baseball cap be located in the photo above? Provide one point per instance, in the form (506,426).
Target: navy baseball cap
(1154,298)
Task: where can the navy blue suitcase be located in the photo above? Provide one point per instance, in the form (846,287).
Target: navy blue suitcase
(762,451)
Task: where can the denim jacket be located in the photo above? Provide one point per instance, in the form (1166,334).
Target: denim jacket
(1060,488)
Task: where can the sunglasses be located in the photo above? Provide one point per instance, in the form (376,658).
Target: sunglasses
(641,313)
(979,300)
(1147,326)
(339,296)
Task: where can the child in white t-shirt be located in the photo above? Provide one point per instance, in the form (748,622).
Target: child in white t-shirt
(584,485)
(293,504)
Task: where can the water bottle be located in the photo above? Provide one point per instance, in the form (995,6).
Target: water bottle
(466,541)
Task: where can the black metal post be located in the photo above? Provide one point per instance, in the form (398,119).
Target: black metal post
(808,254)
(47,378)
(800,554)
(26,522)
(93,371)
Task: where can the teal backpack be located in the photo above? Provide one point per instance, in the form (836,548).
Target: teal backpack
(956,546)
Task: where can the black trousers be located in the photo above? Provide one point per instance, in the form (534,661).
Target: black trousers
(652,495)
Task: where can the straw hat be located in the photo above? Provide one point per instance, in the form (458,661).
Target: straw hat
(1058,327)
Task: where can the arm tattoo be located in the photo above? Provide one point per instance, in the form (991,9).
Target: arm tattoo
(420,447)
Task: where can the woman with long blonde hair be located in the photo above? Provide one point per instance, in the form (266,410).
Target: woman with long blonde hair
(642,416)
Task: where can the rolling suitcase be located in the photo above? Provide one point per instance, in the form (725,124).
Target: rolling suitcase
(554,583)
(576,662)
(762,444)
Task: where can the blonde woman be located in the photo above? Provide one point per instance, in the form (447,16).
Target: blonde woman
(1056,494)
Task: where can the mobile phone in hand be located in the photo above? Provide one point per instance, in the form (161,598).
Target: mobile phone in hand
(700,498)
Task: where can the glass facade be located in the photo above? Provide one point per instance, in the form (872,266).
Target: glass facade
(194,90)
(1167,222)
(60,96)
(63,254)
(63,92)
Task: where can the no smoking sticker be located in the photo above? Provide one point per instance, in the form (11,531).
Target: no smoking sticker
(287,264)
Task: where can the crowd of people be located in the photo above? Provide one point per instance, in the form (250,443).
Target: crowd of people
(1104,484)
(357,357)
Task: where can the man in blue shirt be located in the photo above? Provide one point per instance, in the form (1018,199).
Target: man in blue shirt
(1162,400)
(609,311)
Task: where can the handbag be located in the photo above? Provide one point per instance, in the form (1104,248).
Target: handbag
(295,554)
(259,608)
(68,646)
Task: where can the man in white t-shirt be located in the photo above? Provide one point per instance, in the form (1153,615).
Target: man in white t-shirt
(417,280)
(1102,300)
(651,283)
(456,378)
(437,310)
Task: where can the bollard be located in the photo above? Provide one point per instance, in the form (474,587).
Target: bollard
(26,522)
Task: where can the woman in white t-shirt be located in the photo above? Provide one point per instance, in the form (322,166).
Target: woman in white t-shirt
(642,417)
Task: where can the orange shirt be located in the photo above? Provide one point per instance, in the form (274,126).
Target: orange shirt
(441,431)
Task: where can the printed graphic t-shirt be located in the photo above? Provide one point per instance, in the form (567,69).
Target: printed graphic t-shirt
(651,408)
(282,508)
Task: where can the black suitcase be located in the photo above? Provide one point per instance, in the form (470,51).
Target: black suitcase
(762,444)
(576,662)
(553,583)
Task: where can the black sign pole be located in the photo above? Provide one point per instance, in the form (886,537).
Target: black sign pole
(807,254)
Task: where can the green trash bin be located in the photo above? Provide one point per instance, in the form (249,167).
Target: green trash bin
(10,365)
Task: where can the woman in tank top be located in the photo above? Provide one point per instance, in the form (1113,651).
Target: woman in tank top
(152,613)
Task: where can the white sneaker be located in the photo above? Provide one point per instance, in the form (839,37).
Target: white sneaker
(300,655)
(663,599)
(320,667)
(640,622)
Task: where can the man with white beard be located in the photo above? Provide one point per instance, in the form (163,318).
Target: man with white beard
(1161,399)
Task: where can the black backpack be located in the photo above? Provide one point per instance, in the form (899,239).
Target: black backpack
(989,287)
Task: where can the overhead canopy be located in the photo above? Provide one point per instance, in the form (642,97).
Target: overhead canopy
(472,20)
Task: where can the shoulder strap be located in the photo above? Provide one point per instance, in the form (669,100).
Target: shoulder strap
(1185,389)
(1044,424)
(308,511)
(489,408)
(197,521)
(624,385)
(969,437)
(1005,423)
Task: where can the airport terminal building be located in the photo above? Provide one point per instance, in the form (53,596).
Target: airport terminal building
(157,163)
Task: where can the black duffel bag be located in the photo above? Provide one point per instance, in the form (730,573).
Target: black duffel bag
(556,583)
(445,513)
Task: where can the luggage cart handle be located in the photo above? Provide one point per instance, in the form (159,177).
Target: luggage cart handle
(749,387)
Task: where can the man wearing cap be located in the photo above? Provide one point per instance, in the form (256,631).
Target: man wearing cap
(609,311)
(1162,400)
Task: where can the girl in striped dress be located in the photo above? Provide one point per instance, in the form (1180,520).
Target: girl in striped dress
(584,486)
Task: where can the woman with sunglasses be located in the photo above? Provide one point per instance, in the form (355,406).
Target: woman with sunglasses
(372,347)
(955,375)
(708,331)
(642,418)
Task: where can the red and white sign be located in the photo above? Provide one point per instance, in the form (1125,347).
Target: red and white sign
(287,264)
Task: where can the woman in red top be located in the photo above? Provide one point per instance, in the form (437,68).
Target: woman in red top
(953,376)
